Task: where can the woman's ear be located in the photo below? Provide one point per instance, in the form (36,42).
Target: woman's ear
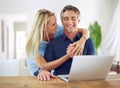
(44,28)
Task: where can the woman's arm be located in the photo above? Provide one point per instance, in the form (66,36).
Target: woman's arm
(85,33)
(41,62)
(44,74)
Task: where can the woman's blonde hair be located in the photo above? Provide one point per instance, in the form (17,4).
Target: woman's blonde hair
(36,35)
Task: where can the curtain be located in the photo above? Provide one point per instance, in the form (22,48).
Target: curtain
(111,44)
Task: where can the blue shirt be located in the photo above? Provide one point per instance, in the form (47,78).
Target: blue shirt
(32,66)
(57,48)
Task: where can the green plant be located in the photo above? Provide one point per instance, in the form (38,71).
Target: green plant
(95,34)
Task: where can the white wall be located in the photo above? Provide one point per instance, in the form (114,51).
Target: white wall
(11,19)
(9,45)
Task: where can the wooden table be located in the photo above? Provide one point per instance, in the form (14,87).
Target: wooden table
(32,82)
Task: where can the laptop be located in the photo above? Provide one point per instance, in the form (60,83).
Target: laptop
(89,67)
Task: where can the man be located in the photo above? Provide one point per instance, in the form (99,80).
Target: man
(70,18)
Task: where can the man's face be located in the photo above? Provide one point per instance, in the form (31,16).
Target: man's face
(70,21)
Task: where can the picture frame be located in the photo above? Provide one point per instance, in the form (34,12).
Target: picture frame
(2,35)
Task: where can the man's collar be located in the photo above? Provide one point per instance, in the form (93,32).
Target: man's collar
(77,36)
(64,36)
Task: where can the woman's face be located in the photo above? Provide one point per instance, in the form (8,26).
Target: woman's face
(52,25)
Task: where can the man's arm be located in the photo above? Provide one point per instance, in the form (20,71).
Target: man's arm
(90,47)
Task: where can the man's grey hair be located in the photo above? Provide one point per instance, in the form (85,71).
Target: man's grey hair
(70,8)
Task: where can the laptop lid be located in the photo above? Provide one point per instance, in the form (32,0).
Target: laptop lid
(90,67)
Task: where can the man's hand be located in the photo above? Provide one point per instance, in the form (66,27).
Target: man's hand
(45,75)
(76,48)
(70,49)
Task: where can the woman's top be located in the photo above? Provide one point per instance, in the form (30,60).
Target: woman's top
(32,66)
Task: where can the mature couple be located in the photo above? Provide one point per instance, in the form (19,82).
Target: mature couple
(52,46)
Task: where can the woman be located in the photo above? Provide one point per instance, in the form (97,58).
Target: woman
(44,30)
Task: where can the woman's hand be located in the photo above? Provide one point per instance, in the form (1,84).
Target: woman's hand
(76,48)
(79,46)
(45,75)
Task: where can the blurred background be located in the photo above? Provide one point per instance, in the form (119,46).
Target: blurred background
(16,19)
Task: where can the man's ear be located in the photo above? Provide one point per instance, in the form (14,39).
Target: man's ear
(61,18)
(79,21)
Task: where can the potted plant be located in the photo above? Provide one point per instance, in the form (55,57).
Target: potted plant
(95,34)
